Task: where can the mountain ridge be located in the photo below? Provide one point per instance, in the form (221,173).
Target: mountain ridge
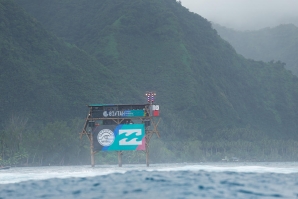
(160,45)
(278,43)
(34,69)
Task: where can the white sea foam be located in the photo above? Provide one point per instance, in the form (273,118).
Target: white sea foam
(19,174)
(239,169)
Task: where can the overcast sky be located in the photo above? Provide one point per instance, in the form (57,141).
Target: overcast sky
(246,14)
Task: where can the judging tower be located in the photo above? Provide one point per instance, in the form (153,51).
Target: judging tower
(121,127)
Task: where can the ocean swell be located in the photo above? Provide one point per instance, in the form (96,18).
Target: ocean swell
(160,184)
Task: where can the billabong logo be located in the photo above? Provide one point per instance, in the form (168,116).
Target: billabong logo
(131,137)
(105,137)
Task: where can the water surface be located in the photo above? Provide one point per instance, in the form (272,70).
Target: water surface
(202,180)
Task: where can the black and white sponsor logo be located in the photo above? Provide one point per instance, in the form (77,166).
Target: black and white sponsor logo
(155,107)
(105,137)
(105,114)
(113,113)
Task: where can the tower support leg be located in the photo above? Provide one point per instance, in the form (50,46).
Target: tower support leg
(92,152)
(120,158)
(147,157)
(92,158)
(147,150)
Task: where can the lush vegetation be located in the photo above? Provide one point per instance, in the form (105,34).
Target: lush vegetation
(58,143)
(23,143)
(214,103)
(279,43)
(42,76)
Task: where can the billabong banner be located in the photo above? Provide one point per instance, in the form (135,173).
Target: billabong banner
(120,137)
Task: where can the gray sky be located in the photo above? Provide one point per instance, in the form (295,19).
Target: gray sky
(246,14)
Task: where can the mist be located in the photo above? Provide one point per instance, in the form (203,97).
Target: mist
(246,14)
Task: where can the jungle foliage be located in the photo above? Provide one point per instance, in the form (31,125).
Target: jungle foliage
(64,55)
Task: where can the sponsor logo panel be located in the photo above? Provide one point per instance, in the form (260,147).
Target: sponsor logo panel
(119,137)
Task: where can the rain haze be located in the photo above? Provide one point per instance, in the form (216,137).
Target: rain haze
(246,14)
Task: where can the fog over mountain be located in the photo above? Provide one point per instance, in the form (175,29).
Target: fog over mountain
(246,14)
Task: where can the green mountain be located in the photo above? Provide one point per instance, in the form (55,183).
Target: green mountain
(43,77)
(112,51)
(278,43)
(161,46)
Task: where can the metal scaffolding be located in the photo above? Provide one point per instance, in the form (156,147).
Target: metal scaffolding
(100,113)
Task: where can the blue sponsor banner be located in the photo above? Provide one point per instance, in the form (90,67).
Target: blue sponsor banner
(119,137)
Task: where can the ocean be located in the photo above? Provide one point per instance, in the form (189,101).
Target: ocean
(201,180)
